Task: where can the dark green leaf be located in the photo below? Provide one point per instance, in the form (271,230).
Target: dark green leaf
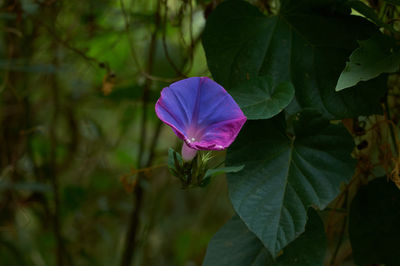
(373,57)
(374,224)
(261,98)
(175,161)
(369,13)
(307,43)
(222,170)
(218,171)
(283,176)
(235,245)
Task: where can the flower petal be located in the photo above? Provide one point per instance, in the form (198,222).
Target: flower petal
(201,113)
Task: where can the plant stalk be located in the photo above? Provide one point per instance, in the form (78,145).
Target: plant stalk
(131,236)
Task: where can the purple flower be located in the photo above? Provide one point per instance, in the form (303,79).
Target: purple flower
(201,113)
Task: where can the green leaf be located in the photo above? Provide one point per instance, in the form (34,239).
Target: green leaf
(286,174)
(375,56)
(172,163)
(262,98)
(218,171)
(235,245)
(223,170)
(374,223)
(306,44)
(369,13)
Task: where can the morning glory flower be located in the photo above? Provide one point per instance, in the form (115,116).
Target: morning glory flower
(201,113)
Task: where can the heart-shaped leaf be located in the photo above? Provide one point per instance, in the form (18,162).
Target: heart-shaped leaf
(375,56)
(260,98)
(369,13)
(307,44)
(235,245)
(285,174)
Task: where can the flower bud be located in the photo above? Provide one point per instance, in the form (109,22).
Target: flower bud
(188,153)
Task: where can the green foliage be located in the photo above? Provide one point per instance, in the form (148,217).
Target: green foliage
(196,172)
(218,171)
(368,12)
(235,245)
(298,158)
(373,57)
(285,174)
(307,43)
(374,223)
(260,98)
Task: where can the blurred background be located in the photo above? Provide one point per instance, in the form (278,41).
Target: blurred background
(82,153)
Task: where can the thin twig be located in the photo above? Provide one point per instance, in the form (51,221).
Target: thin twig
(191,48)
(131,237)
(53,170)
(67,45)
(164,41)
(154,143)
(128,33)
(391,130)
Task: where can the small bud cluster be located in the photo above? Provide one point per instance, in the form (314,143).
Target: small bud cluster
(191,173)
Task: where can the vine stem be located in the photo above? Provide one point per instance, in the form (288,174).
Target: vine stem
(53,167)
(391,130)
(130,241)
(342,232)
